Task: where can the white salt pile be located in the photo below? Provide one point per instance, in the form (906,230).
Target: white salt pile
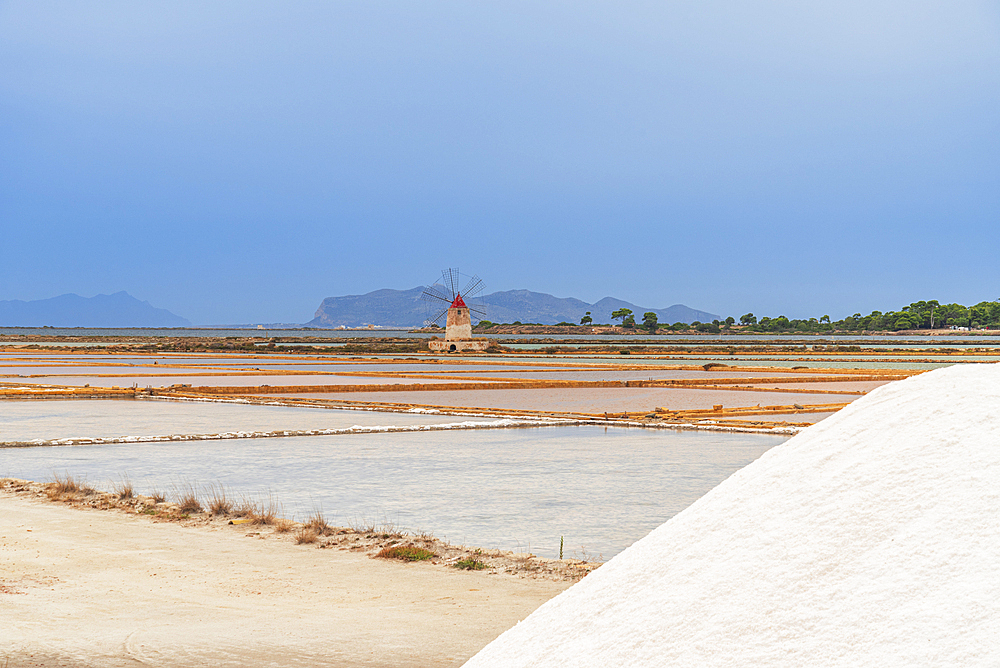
(870,539)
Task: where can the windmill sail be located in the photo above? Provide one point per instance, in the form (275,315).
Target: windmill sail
(443,292)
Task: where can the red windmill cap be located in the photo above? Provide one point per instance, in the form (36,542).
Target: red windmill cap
(458,303)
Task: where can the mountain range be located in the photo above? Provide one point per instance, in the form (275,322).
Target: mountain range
(388,308)
(116,310)
(404,308)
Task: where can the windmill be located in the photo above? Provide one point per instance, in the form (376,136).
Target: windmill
(454,288)
(459,298)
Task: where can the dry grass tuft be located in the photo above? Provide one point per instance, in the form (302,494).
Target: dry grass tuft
(64,485)
(242,509)
(219,506)
(281,525)
(67,487)
(405,553)
(262,513)
(123,489)
(305,536)
(318,523)
(187,500)
(189,504)
(157,496)
(218,501)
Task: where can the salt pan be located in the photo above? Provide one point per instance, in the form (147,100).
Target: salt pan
(870,539)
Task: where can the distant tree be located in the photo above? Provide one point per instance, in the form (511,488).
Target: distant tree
(824,318)
(748,319)
(586,320)
(649,321)
(622,314)
(730,321)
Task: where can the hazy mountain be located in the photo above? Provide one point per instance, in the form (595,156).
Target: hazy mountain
(392,308)
(404,308)
(118,310)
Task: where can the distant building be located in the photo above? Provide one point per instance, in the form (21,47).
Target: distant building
(458,331)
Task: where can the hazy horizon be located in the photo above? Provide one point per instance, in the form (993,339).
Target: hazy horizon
(305,319)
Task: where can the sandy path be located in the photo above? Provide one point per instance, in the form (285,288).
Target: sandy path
(97,588)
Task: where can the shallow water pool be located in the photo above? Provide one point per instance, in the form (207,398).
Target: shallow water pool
(27,420)
(510,489)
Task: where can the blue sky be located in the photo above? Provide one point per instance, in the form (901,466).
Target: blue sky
(239,161)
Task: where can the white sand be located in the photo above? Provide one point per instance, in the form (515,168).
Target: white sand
(99,588)
(870,539)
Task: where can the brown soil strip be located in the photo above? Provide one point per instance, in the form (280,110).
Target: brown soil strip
(659,418)
(368,540)
(516,384)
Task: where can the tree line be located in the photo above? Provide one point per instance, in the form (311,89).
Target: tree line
(930,314)
(918,315)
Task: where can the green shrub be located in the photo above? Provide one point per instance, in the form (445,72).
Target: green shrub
(469,564)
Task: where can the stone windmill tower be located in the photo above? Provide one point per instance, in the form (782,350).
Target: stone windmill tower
(457,299)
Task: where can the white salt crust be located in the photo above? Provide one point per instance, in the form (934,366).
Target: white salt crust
(870,539)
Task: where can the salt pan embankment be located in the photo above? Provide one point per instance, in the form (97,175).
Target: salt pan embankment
(870,539)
